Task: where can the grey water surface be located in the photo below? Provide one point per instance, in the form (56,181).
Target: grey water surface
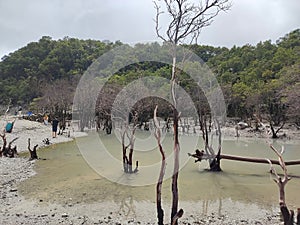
(65,175)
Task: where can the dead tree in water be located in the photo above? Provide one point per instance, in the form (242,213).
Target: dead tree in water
(186,21)
(201,155)
(288,215)
(33,154)
(281,181)
(213,158)
(127,161)
(157,134)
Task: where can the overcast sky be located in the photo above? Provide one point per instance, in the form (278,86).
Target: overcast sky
(131,21)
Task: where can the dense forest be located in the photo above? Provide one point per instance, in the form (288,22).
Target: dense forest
(262,79)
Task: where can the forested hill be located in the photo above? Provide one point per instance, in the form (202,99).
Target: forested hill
(254,78)
(25,72)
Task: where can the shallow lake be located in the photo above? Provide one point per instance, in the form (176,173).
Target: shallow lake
(89,170)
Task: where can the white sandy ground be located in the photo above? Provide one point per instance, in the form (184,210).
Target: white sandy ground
(37,132)
(15,209)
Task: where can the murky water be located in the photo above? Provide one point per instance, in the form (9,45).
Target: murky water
(65,176)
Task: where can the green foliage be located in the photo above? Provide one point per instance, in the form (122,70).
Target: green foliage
(24,72)
(259,79)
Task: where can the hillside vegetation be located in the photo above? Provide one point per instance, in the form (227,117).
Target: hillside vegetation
(263,79)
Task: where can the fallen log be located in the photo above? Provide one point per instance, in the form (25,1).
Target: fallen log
(204,156)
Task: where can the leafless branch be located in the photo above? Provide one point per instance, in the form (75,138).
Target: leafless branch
(288,215)
(187,19)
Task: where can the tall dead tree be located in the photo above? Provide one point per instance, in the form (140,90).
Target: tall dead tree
(281,181)
(186,21)
(288,215)
(157,134)
(128,133)
(127,160)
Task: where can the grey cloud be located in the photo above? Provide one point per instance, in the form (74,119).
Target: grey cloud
(249,21)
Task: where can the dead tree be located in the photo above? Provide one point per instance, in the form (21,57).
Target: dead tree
(201,155)
(157,134)
(3,149)
(12,151)
(33,154)
(281,181)
(186,21)
(178,215)
(8,150)
(213,158)
(288,215)
(127,161)
(208,154)
(176,168)
(275,131)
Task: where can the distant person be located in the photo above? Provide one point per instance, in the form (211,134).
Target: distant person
(54,127)
(46,119)
(20,112)
(9,126)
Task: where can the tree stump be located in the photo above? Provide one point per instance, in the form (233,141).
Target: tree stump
(33,154)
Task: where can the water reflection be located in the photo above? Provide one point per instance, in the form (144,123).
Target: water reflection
(127,206)
(206,204)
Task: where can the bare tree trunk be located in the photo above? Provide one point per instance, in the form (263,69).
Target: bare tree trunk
(12,151)
(176,169)
(237,131)
(177,216)
(186,22)
(33,154)
(288,215)
(215,165)
(4,143)
(124,149)
(214,159)
(130,158)
(298,216)
(160,211)
(8,151)
(132,140)
(127,161)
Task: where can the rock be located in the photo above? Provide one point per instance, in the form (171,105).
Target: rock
(64,215)
(13,190)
